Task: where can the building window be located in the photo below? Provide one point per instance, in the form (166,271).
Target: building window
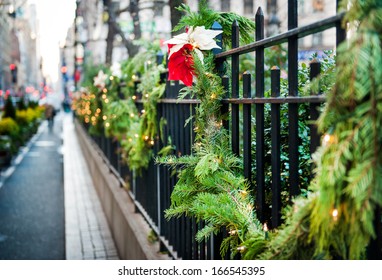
(225,5)
(248,7)
(318,5)
(317,39)
(301,7)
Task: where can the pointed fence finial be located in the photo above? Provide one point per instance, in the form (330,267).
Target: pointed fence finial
(219,38)
(235,34)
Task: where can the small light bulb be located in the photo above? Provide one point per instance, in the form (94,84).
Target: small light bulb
(232,232)
(265,227)
(335,214)
(328,139)
(241,249)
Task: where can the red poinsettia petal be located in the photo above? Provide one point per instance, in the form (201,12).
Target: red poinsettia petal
(180,65)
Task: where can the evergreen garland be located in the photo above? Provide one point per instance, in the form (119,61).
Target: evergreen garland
(206,17)
(337,220)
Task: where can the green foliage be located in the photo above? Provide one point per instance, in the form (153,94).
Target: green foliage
(211,188)
(206,17)
(21,104)
(113,110)
(305,87)
(337,221)
(9,108)
(8,126)
(89,72)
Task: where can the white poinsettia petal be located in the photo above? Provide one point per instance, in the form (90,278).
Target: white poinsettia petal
(175,48)
(190,30)
(203,38)
(100,79)
(178,39)
(210,46)
(213,33)
(200,55)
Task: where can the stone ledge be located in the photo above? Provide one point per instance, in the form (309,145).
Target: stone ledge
(129,229)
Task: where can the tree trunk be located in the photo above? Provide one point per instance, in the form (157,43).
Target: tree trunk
(113,29)
(134,12)
(110,33)
(175,14)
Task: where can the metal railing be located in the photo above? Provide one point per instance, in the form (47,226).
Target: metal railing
(152,189)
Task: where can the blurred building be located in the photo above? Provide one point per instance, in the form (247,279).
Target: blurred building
(19,59)
(86,39)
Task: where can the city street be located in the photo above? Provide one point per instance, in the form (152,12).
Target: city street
(32,200)
(49,208)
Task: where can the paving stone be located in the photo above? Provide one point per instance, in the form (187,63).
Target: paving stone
(85,218)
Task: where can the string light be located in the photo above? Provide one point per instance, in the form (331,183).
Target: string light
(105,90)
(328,139)
(134,97)
(143,111)
(152,142)
(146,138)
(335,214)
(147,95)
(265,228)
(232,232)
(107,124)
(104,96)
(106,100)
(136,135)
(241,249)
(132,115)
(243,192)
(111,78)
(104,118)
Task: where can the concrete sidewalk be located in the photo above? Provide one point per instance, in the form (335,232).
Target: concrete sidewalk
(87,233)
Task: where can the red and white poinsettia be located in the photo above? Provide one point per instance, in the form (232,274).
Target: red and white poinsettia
(180,51)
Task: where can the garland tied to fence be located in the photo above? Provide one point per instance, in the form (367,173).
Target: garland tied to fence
(337,219)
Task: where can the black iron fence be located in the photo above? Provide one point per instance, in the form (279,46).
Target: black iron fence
(151,190)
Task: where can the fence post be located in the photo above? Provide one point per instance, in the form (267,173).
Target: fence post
(315,68)
(260,167)
(276,148)
(247,128)
(235,68)
(374,250)
(293,107)
(225,106)
(340,32)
